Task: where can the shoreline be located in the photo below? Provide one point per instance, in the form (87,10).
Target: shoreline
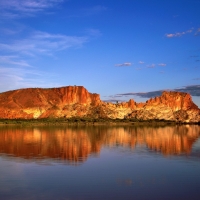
(89,122)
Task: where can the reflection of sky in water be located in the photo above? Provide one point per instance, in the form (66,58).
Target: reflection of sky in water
(196,149)
(118,171)
(196,145)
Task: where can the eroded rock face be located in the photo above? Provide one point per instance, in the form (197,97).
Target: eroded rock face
(41,103)
(76,101)
(175,100)
(171,106)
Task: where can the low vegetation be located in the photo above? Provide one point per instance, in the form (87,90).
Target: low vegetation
(83,121)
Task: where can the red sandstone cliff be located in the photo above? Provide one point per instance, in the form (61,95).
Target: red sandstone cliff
(172,106)
(174,100)
(73,101)
(40,103)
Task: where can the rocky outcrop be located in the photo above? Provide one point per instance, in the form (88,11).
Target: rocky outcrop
(42,103)
(171,106)
(175,100)
(76,101)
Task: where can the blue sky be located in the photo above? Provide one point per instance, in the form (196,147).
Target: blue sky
(116,48)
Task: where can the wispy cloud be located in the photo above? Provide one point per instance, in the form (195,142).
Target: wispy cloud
(19,8)
(93,32)
(88,11)
(7,31)
(162,64)
(139,68)
(94,10)
(13,60)
(144,94)
(113,98)
(196,79)
(141,62)
(178,34)
(16,77)
(197,32)
(126,64)
(16,70)
(162,72)
(42,43)
(194,90)
(151,66)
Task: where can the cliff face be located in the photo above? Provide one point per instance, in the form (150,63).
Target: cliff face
(76,101)
(172,106)
(175,100)
(40,103)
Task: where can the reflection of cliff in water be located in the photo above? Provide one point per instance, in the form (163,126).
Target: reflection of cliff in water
(76,144)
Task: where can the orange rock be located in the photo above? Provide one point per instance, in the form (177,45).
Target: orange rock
(132,104)
(174,100)
(33,102)
(140,105)
(76,101)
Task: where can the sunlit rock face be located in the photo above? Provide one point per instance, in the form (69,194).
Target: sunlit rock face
(76,101)
(175,100)
(42,103)
(171,106)
(76,144)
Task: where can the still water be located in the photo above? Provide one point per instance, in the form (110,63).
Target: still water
(73,163)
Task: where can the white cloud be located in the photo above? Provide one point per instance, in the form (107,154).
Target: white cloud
(42,43)
(151,66)
(17,8)
(15,68)
(94,10)
(197,32)
(11,77)
(16,77)
(126,64)
(141,62)
(93,32)
(28,5)
(162,64)
(138,68)
(7,31)
(178,34)
(13,60)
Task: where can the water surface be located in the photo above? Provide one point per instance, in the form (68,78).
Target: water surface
(100,162)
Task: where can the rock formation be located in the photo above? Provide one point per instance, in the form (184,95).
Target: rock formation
(175,100)
(172,106)
(76,101)
(42,103)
